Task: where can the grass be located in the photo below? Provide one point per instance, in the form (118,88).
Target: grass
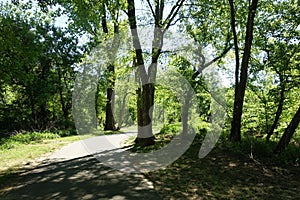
(24,149)
(228,172)
(19,154)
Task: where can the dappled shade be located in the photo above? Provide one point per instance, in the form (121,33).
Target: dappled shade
(80,178)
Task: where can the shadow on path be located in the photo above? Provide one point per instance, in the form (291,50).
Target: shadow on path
(79,178)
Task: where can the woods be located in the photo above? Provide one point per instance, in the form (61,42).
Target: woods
(255,47)
(171,99)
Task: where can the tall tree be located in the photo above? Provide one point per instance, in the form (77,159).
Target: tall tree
(146,92)
(288,133)
(109,110)
(94,19)
(36,57)
(241,70)
(276,39)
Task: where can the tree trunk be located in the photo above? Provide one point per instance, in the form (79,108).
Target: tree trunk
(145,94)
(185,111)
(145,135)
(235,134)
(139,108)
(145,102)
(277,116)
(109,110)
(61,97)
(288,133)
(120,120)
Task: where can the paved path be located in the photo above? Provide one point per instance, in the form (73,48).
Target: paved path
(73,173)
(91,146)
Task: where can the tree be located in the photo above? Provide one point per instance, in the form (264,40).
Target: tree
(288,133)
(36,58)
(283,68)
(241,73)
(276,39)
(109,114)
(94,19)
(145,94)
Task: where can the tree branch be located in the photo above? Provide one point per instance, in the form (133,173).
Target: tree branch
(236,47)
(173,13)
(151,8)
(136,41)
(204,66)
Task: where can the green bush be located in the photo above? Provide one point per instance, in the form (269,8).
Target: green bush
(66,133)
(170,128)
(26,138)
(262,151)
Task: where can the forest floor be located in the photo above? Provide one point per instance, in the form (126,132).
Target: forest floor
(223,174)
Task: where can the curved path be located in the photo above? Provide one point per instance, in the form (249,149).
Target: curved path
(73,173)
(91,146)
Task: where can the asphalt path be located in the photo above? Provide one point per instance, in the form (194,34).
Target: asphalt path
(73,172)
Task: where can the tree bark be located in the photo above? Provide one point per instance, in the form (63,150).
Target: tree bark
(62,100)
(145,94)
(288,133)
(122,108)
(145,135)
(109,110)
(277,116)
(240,87)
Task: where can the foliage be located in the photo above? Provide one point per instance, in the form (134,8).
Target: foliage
(25,138)
(40,61)
(170,129)
(36,62)
(33,137)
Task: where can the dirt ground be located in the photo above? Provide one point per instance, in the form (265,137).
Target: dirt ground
(224,174)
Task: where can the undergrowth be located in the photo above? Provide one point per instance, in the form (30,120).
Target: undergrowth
(32,137)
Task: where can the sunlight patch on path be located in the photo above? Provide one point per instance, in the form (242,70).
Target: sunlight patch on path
(91,146)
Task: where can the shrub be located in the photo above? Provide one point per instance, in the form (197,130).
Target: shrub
(26,138)
(170,128)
